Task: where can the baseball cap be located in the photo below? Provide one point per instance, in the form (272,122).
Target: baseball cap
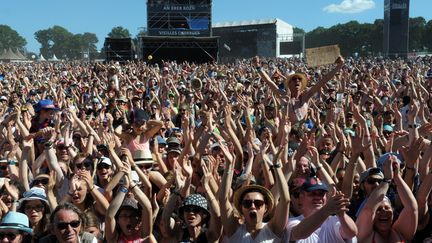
(105,160)
(374,172)
(313,184)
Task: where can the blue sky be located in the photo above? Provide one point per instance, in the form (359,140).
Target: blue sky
(100,16)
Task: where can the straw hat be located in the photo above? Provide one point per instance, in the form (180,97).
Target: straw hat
(303,77)
(241,192)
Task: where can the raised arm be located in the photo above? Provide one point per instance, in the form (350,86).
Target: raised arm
(280,217)
(146,218)
(406,224)
(340,61)
(228,220)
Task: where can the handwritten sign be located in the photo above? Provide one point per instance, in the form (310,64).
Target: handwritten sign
(322,55)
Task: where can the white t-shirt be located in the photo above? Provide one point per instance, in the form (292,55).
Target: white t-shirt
(243,236)
(327,233)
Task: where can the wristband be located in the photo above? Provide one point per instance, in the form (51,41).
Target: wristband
(92,188)
(48,144)
(387,180)
(123,189)
(318,168)
(413,125)
(258,69)
(11,162)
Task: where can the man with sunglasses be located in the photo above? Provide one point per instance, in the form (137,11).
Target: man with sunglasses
(369,180)
(68,226)
(13,227)
(324,217)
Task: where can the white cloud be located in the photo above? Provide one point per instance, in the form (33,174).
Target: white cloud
(350,6)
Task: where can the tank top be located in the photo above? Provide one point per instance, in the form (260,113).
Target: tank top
(243,236)
(134,146)
(136,239)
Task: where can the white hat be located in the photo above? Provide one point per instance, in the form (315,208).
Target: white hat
(143,157)
(105,160)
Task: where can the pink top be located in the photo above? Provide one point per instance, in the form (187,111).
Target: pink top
(136,239)
(134,146)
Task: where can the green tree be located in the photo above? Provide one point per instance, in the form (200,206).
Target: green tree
(119,32)
(427,37)
(416,32)
(9,38)
(60,42)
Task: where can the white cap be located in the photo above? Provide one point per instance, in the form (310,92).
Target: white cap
(105,160)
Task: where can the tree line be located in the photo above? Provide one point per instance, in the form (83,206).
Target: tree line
(367,39)
(353,37)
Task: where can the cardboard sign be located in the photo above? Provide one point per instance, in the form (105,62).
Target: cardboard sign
(322,55)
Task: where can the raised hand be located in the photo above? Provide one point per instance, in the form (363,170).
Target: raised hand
(337,204)
(359,144)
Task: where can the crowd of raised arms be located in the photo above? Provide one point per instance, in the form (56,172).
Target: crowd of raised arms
(260,150)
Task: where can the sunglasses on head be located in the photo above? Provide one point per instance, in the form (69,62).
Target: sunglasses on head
(372,181)
(65,225)
(192,209)
(8,235)
(248,203)
(41,181)
(86,164)
(101,166)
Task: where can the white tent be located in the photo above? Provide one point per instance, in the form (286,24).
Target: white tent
(54,59)
(42,58)
(20,55)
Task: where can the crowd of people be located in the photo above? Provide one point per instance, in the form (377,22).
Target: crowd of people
(261,150)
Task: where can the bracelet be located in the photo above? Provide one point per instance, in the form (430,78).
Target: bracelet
(258,69)
(92,188)
(318,168)
(387,180)
(275,166)
(132,187)
(123,189)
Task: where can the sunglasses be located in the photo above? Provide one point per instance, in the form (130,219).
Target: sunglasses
(145,166)
(65,225)
(192,209)
(62,147)
(103,166)
(3,167)
(8,235)
(86,164)
(248,203)
(37,208)
(41,181)
(372,181)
